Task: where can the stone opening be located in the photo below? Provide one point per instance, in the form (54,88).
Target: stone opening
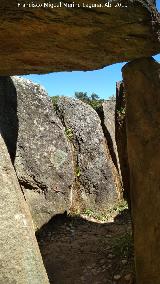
(136,33)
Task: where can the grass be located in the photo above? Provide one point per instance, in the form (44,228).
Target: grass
(90,213)
(115,210)
(119,207)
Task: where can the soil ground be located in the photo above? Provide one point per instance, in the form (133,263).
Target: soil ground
(80,251)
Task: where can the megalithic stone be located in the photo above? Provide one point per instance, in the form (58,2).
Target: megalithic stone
(67,44)
(142,83)
(20,259)
(121,138)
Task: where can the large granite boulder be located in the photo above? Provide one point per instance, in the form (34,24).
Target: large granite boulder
(97,185)
(20,259)
(142,83)
(77,37)
(38,146)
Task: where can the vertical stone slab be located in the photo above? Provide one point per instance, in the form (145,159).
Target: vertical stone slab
(20,259)
(109,129)
(121,138)
(142,83)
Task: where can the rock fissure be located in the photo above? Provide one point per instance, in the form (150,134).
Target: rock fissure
(76,200)
(38,187)
(90,153)
(107,135)
(121,138)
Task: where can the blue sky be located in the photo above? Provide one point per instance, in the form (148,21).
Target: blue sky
(102,82)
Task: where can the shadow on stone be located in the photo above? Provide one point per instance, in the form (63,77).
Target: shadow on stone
(108,138)
(8,114)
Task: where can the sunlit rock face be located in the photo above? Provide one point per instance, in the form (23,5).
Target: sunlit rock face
(60,153)
(38,146)
(20,258)
(142,83)
(41,40)
(97,186)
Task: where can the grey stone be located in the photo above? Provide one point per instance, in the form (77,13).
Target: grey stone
(109,124)
(20,259)
(97,184)
(121,138)
(39,149)
(78,38)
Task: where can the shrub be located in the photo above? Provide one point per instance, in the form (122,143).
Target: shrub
(54,101)
(93,100)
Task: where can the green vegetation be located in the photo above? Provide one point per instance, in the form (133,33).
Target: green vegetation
(78,171)
(121,111)
(112,212)
(69,133)
(54,101)
(93,100)
(119,207)
(122,246)
(97,216)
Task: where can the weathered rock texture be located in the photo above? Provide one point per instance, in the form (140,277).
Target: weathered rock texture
(62,163)
(41,154)
(108,122)
(20,259)
(142,83)
(121,138)
(97,184)
(42,40)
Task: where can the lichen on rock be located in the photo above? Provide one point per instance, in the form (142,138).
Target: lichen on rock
(42,154)
(97,184)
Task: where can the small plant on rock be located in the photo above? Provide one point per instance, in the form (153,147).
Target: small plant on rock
(121,111)
(54,101)
(78,171)
(119,207)
(97,216)
(69,133)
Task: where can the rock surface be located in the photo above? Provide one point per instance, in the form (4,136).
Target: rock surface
(20,259)
(109,129)
(142,83)
(97,184)
(121,138)
(43,159)
(62,163)
(68,38)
